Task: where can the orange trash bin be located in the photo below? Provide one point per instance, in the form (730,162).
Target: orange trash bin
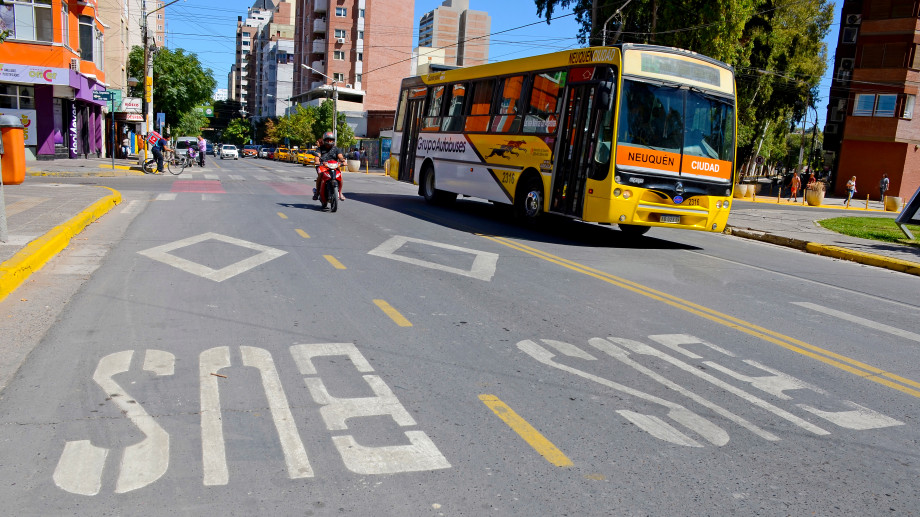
(13,160)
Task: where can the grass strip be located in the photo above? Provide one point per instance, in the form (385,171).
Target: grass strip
(875,228)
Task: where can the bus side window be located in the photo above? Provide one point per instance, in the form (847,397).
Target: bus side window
(478,119)
(453,119)
(543,110)
(606,96)
(507,117)
(432,122)
(401,111)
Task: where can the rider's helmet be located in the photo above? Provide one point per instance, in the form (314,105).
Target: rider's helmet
(328,136)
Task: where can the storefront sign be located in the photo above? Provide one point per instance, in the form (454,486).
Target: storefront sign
(34,74)
(133,117)
(27,117)
(132,105)
(74,148)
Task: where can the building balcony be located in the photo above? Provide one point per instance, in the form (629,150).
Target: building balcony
(319,25)
(319,6)
(318,65)
(319,46)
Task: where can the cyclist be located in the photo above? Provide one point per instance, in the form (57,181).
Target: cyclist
(328,152)
(158,150)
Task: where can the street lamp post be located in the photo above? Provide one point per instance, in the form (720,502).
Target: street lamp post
(335,101)
(148,73)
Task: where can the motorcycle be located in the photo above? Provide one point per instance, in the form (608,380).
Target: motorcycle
(330,177)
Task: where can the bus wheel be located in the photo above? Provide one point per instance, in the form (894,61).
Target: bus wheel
(529,203)
(431,194)
(634,230)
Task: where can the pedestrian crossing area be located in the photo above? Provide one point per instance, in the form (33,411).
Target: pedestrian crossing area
(212,187)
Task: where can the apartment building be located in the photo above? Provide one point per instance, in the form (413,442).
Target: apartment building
(873,124)
(272,64)
(363,45)
(462,33)
(50,65)
(247,30)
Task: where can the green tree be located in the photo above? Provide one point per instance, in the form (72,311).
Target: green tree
(190,123)
(271,132)
(777,50)
(179,81)
(238,132)
(345,135)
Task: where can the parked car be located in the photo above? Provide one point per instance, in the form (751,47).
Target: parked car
(184,142)
(282,154)
(229,151)
(250,151)
(263,152)
(307,157)
(210,149)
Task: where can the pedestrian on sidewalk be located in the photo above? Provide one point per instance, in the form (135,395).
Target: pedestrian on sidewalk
(795,186)
(125,146)
(202,150)
(851,190)
(883,188)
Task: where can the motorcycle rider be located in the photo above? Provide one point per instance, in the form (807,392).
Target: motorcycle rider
(328,152)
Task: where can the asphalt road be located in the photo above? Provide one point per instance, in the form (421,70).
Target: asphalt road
(221,346)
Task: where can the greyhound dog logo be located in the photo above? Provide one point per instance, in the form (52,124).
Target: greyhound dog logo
(512,147)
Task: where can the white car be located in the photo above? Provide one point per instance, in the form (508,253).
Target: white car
(229,151)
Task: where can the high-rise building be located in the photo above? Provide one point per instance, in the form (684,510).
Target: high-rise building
(363,45)
(246,32)
(871,125)
(272,64)
(461,32)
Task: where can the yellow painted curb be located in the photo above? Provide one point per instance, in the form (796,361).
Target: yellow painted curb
(869,259)
(37,253)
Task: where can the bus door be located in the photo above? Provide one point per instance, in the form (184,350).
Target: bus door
(574,143)
(416,105)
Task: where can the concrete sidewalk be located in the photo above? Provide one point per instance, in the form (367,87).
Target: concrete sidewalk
(85,167)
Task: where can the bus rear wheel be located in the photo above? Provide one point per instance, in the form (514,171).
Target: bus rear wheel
(528,205)
(634,230)
(431,194)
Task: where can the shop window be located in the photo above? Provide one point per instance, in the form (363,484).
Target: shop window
(29,20)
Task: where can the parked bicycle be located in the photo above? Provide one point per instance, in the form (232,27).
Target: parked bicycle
(171,162)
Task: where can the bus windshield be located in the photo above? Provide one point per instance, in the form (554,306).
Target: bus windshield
(675,120)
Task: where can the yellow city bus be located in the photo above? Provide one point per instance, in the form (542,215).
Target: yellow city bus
(636,135)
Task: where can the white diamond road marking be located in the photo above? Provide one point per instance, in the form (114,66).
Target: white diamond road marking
(161,253)
(483,266)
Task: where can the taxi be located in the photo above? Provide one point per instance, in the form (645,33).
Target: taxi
(282,154)
(306,157)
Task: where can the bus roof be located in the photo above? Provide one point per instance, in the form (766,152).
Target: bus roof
(672,64)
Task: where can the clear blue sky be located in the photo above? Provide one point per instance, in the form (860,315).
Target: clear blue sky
(208,27)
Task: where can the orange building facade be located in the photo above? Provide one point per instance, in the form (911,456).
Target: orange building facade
(50,64)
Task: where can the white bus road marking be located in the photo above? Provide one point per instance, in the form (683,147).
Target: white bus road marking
(213,451)
(656,427)
(131,207)
(484,262)
(421,455)
(295,455)
(80,468)
(860,321)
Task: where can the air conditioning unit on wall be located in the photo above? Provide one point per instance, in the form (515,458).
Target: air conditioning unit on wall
(854,19)
(340,40)
(847,63)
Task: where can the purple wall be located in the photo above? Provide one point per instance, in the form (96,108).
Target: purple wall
(44,131)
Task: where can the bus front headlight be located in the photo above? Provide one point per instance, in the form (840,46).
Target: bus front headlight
(616,192)
(627,194)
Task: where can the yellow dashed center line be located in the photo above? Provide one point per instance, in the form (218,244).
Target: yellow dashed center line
(392,313)
(526,431)
(335,263)
(282,215)
(302,233)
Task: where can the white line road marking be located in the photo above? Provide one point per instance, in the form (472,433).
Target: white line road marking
(166,196)
(484,262)
(237,177)
(644,349)
(144,462)
(211,197)
(622,356)
(658,428)
(79,471)
(860,418)
(295,455)
(133,206)
(860,321)
(213,451)
(161,253)
(711,432)
(211,177)
(258,177)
